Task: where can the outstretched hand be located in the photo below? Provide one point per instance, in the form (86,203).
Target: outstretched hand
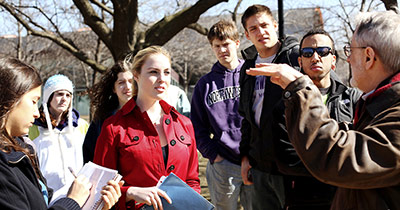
(281,74)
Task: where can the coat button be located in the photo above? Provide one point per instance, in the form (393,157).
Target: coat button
(182,138)
(173,142)
(287,94)
(136,138)
(172,167)
(167,121)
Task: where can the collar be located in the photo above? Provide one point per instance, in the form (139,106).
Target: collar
(218,67)
(13,156)
(269,59)
(287,43)
(131,106)
(365,96)
(63,123)
(337,87)
(384,96)
(384,85)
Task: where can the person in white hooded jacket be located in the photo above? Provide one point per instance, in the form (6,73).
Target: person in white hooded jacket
(58,144)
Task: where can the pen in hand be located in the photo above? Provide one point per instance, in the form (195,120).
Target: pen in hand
(72,171)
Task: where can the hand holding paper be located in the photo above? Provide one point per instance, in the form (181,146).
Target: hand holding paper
(100,176)
(102,185)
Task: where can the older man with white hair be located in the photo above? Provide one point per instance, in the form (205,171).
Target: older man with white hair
(363,160)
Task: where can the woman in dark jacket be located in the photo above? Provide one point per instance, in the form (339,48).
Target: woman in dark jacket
(106,97)
(22,185)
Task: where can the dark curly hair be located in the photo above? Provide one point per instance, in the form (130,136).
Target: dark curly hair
(103,100)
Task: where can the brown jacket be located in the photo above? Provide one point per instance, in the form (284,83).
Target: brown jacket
(365,162)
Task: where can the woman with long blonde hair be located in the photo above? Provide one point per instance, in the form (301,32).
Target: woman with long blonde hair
(148,138)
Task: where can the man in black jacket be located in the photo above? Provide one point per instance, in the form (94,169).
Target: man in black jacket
(258,98)
(318,61)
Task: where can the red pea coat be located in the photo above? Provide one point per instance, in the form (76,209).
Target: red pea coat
(129,143)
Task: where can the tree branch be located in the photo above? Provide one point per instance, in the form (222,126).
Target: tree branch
(169,26)
(56,29)
(362,5)
(199,28)
(49,35)
(103,7)
(97,24)
(27,17)
(41,12)
(236,10)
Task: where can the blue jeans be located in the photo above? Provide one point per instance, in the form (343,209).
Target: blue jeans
(226,185)
(268,191)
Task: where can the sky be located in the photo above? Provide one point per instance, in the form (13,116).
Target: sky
(273,4)
(153,10)
(329,8)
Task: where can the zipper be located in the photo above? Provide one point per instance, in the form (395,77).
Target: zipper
(62,156)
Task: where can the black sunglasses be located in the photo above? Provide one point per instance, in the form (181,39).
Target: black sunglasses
(309,51)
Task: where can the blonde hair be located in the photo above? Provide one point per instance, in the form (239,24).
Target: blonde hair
(139,60)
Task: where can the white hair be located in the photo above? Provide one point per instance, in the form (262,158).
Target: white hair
(380,30)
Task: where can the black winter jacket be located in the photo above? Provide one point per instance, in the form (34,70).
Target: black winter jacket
(20,188)
(257,142)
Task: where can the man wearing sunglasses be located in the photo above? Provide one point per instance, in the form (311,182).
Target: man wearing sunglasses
(363,160)
(317,60)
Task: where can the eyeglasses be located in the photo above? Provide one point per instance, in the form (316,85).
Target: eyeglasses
(347,49)
(308,52)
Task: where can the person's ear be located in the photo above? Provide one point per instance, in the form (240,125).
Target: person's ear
(300,63)
(333,66)
(247,34)
(276,26)
(370,57)
(136,78)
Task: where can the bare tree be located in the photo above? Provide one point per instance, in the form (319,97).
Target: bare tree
(119,30)
(192,56)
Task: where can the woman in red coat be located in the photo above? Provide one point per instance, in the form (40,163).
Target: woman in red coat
(148,138)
